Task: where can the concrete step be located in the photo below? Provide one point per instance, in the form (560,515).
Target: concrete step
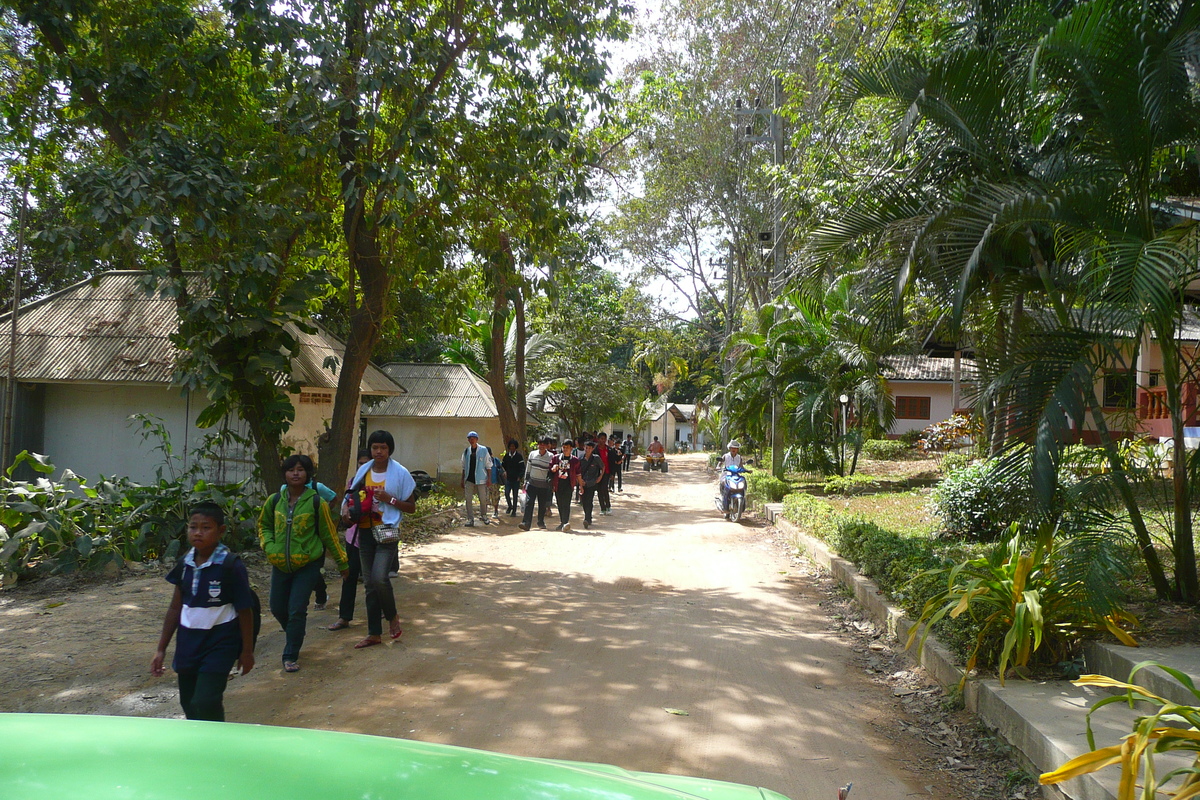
(1046,722)
(1116,661)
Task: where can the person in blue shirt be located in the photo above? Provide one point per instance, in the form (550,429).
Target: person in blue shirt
(212,612)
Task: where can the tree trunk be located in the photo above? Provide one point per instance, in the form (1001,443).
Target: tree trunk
(366,262)
(1145,545)
(1182,543)
(498,366)
(519,355)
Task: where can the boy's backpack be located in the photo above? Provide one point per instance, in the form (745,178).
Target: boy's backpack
(255,603)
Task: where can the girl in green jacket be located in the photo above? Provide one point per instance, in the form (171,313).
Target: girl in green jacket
(295,529)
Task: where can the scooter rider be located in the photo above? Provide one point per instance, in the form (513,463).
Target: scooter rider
(730,459)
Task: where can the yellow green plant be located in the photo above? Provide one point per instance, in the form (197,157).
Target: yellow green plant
(1047,594)
(1172,727)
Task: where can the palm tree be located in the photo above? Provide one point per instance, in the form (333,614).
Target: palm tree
(1040,193)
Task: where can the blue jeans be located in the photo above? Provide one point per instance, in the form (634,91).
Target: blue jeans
(290,592)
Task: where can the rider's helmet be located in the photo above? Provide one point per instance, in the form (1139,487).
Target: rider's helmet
(734,443)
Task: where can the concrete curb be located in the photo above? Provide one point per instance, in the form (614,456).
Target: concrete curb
(1044,721)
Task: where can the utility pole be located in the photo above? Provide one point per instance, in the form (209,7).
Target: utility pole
(778,252)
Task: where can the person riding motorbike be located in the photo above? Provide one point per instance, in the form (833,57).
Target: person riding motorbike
(730,459)
(656,448)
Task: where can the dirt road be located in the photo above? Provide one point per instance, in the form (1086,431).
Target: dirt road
(565,645)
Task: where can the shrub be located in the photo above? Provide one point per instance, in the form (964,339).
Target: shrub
(977,503)
(848,484)
(67,525)
(886,449)
(958,431)
(1040,592)
(809,513)
(713,460)
(910,438)
(887,557)
(763,487)
(953,462)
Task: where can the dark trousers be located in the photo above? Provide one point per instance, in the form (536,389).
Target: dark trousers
(542,496)
(563,495)
(616,473)
(350,584)
(290,592)
(512,493)
(376,560)
(602,492)
(202,694)
(589,497)
(625,461)
(322,591)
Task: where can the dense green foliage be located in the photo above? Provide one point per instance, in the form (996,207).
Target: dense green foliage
(886,449)
(980,501)
(762,487)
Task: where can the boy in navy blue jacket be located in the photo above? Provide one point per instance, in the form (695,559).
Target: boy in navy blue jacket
(212,611)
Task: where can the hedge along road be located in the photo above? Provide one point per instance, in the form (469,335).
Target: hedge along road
(564,645)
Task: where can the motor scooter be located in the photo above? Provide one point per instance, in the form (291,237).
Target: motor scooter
(733,505)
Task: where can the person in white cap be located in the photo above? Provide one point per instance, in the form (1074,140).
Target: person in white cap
(730,459)
(476,477)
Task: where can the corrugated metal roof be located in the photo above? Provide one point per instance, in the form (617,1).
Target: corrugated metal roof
(435,390)
(109,330)
(926,368)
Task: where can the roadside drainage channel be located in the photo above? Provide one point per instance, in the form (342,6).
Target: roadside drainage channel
(1042,720)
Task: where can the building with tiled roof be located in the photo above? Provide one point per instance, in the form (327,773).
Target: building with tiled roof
(90,356)
(928,389)
(442,403)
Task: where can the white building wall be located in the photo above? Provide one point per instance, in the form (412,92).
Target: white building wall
(941,406)
(88,430)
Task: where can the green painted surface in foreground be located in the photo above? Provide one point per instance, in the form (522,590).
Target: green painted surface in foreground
(64,757)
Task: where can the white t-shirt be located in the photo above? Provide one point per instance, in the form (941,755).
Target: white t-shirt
(730,460)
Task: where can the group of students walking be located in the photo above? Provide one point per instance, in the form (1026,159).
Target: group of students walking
(212,611)
(583,472)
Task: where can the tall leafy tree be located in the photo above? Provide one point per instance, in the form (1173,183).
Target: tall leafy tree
(175,168)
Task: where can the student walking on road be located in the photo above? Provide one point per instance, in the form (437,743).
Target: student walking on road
(513,465)
(537,484)
(295,529)
(564,477)
(212,611)
(614,462)
(476,477)
(605,485)
(591,470)
(350,582)
(388,492)
(626,452)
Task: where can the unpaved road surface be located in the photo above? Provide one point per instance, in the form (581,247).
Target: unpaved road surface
(563,645)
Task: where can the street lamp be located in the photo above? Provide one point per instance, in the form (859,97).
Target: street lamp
(843,399)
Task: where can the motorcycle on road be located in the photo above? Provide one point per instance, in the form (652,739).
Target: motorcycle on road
(733,502)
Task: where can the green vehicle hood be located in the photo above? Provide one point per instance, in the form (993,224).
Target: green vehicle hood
(64,757)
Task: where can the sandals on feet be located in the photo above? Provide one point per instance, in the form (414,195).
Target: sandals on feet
(340,625)
(367,642)
(291,666)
